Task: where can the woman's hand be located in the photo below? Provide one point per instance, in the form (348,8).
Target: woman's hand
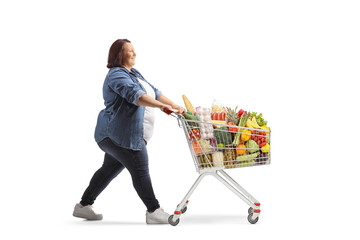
(179,108)
(167,101)
(164,106)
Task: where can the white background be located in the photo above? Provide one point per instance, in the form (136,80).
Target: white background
(297,62)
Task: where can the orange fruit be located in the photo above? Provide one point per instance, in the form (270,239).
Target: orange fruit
(241,149)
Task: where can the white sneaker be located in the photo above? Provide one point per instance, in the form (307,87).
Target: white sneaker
(86,212)
(157,217)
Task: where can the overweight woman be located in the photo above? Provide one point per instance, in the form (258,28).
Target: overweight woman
(123,129)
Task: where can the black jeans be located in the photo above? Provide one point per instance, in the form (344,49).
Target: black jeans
(116,159)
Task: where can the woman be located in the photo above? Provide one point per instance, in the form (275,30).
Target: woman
(123,129)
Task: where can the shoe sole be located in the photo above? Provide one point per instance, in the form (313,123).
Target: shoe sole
(79,215)
(151,221)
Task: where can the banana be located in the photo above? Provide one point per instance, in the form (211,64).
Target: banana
(265,128)
(255,124)
(249,124)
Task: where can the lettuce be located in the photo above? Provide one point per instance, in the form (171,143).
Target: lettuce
(252,146)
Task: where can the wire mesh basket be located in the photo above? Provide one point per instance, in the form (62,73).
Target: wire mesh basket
(218,146)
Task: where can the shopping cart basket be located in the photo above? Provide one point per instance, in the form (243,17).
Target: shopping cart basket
(223,147)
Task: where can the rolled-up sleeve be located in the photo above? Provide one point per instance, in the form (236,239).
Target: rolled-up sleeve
(157,91)
(122,84)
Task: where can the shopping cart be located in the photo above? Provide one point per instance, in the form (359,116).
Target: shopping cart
(219,151)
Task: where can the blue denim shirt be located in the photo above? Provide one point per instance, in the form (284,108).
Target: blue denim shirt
(122,119)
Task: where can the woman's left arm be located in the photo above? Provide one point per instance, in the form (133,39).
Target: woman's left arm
(162,98)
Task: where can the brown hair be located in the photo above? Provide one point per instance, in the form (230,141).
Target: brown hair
(116,53)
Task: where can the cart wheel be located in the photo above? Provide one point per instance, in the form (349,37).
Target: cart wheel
(170,220)
(252,221)
(250,211)
(183,210)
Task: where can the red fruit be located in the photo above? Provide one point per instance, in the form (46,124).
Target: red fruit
(194,134)
(222,116)
(256,139)
(241,111)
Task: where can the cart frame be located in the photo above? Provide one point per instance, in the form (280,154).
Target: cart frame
(219,173)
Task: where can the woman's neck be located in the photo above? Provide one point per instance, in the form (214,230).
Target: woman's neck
(127,67)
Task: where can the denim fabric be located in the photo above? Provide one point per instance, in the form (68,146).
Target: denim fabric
(116,159)
(122,119)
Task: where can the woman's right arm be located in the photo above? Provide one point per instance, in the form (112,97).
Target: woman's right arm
(146,100)
(121,83)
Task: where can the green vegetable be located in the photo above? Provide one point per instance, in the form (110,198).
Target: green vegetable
(247,163)
(248,157)
(205,145)
(242,121)
(222,135)
(259,119)
(191,117)
(252,146)
(221,146)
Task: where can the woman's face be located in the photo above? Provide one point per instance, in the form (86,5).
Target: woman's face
(129,56)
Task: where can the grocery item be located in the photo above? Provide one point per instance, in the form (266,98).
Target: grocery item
(218,116)
(218,159)
(250,123)
(264,127)
(252,146)
(206,129)
(247,163)
(188,105)
(217,106)
(205,160)
(232,129)
(259,137)
(262,158)
(247,157)
(232,115)
(191,117)
(217,111)
(205,145)
(241,111)
(259,119)
(217,123)
(221,146)
(265,148)
(194,134)
(242,121)
(255,124)
(245,135)
(196,147)
(241,149)
(222,135)
(229,158)
(213,143)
